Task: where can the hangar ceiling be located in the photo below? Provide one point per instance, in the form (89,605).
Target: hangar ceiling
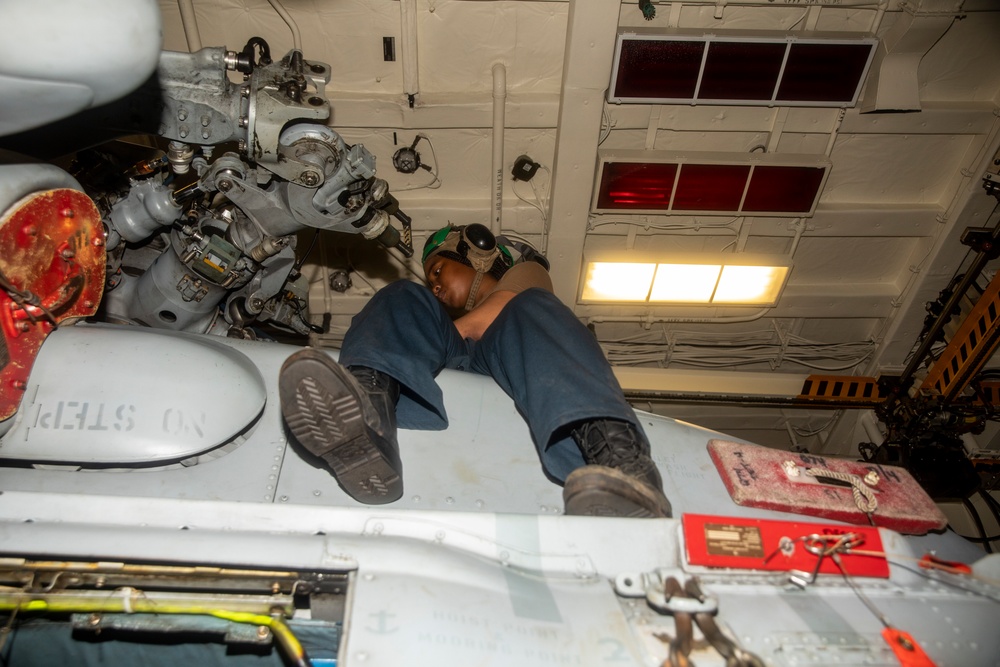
(883,240)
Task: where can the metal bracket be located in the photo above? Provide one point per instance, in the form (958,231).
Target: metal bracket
(652,586)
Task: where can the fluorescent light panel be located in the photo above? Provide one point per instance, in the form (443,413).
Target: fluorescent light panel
(618,281)
(685,282)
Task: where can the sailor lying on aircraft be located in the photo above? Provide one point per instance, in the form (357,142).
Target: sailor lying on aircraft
(509,326)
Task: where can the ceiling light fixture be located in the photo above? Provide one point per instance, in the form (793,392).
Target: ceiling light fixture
(637,181)
(738,279)
(740,68)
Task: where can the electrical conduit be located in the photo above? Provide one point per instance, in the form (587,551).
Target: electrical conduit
(289,21)
(499,104)
(408,42)
(190,24)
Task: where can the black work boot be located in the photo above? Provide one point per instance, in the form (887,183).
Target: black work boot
(620,478)
(348,419)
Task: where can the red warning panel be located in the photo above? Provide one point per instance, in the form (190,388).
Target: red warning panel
(773,479)
(761,544)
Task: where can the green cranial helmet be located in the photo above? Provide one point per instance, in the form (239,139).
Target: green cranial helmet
(435,240)
(473,245)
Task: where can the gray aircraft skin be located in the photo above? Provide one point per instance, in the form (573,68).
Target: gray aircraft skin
(151,490)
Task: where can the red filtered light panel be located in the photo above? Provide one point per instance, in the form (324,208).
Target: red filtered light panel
(658,69)
(786,189)
(636,185)
(708,183)
(762,68)
(824,72)
(741,71)
(710,187)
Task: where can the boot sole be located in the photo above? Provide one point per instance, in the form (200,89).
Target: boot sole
(321,404)
(602,491)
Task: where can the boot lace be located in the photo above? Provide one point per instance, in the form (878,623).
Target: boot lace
(613,444)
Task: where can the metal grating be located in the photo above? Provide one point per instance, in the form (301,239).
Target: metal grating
(854,391)
(972,345)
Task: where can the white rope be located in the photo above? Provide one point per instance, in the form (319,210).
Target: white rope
(864,497)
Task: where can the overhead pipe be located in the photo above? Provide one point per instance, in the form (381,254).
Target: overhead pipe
(190,24)
(290,22)
(408,44)
(499,107)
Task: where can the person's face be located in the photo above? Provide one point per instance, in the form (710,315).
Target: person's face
(449,281)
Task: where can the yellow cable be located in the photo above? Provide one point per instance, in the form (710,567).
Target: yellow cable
(119,604)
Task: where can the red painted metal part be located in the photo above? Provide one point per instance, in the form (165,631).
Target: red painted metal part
(756,476)
(906,649)
(756,544)
(51,246)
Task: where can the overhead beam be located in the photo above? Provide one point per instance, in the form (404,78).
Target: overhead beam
(590,41)
(541,110)
(718,383)
(442,111)
(961,118)
(849,220)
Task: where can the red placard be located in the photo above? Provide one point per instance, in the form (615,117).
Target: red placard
(761,544)
(772,479)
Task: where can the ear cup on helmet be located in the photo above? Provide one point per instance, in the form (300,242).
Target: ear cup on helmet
(480,237)
(480,247)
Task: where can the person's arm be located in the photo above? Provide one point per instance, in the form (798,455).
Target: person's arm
(474,323)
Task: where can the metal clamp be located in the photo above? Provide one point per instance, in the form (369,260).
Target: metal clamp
(689,606)
(661,597)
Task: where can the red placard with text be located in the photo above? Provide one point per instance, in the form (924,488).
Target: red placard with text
(761,544)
